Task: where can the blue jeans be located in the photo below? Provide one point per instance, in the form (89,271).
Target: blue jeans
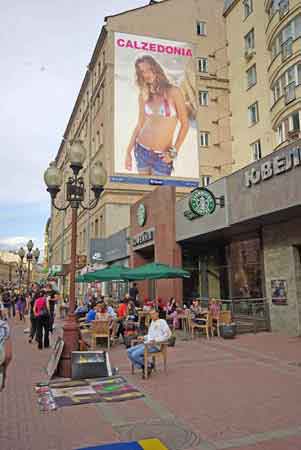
(136,354)
(149,161)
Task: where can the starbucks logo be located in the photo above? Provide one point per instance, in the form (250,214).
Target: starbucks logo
(202,202)
(141,215)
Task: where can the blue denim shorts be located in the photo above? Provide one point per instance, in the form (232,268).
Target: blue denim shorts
(148,160)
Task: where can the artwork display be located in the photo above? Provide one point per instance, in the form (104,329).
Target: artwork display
(279,292)
(55,357)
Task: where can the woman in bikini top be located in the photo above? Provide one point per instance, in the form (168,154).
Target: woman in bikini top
(161,107)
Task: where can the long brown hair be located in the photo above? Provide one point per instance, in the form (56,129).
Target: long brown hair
(161,84)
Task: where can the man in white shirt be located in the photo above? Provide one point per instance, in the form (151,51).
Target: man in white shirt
(158,332)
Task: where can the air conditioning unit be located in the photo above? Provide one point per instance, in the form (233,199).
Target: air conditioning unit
(293,135)
(249,53)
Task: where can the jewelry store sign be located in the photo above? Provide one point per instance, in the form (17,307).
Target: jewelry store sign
(144,239)
(272,167)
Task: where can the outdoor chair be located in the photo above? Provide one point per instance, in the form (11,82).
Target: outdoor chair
(223,318)
(205,324)
(100,329)
(161,354)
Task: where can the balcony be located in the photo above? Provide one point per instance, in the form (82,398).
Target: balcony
(286,104)
(290,92)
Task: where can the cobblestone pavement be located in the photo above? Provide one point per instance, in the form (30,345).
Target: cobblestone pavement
(242,394)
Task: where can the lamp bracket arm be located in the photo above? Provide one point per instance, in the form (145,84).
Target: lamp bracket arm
(64,208)
(92,206)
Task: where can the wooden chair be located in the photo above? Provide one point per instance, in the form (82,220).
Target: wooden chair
(100,329)
(162,353)
(206,324)
(223,318)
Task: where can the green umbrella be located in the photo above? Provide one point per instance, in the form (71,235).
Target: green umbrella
(80,279)
(107,274)
(154,271)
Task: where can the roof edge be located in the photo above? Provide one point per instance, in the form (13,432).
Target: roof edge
(151,3)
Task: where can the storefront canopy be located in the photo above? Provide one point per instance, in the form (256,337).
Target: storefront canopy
(107,274)
(155,271)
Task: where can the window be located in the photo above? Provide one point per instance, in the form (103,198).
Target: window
(251,76)
(294,121)
(203,98)
(253,114)
(250,40)
(280,133)
(203,65)
(290,92)
(201,28)
(256,150)
(206,179)
(287,49)
(248,7)
(204,139)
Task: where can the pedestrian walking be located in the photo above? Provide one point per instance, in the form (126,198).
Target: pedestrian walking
(6,300)
(5,351)
(21,305)
(42,315)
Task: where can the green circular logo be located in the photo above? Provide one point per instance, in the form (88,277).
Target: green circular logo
(202,202)
(141,215)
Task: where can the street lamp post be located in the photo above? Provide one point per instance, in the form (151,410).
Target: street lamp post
(75,190)
(30,255)
(21,254)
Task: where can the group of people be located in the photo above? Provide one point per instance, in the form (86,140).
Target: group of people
(38,303)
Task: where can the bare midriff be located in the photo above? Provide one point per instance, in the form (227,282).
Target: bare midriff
(157,132)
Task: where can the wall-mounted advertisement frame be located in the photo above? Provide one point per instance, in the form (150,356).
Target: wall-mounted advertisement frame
(155,112)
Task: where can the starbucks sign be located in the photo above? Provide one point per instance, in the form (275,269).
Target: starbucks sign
(141,215)
(202,202)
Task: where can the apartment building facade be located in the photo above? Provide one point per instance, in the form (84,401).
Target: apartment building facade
(92,120)
(264,49)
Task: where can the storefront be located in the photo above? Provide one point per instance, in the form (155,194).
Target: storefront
(250,248)
(152,239)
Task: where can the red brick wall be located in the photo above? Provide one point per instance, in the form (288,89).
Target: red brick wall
(160,207)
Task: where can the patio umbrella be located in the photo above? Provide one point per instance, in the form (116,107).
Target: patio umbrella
(107,274)
(155,271)
(80,279)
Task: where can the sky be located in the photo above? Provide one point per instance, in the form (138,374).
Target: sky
(45,48)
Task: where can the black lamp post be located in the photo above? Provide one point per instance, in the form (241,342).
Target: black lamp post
(30,255)
(20,268)
(75,192)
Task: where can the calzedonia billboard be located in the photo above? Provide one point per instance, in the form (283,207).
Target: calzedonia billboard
(155,111)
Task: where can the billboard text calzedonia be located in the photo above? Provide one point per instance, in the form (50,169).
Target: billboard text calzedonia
(155,109)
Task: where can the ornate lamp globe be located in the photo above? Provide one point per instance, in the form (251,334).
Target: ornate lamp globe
(98,178)
(53,178)
(77,156)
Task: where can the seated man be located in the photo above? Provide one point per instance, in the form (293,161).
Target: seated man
(158,332)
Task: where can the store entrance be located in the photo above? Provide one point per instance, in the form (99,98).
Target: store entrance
(147,256)
(209,275)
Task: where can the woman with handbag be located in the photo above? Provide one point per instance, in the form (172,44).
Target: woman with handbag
(5,351)
(42,315)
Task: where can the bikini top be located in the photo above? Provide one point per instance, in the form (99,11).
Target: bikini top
(165,110)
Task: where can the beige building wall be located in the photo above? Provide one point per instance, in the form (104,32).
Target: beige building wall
(277,50)
(92,118)
(242,97)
